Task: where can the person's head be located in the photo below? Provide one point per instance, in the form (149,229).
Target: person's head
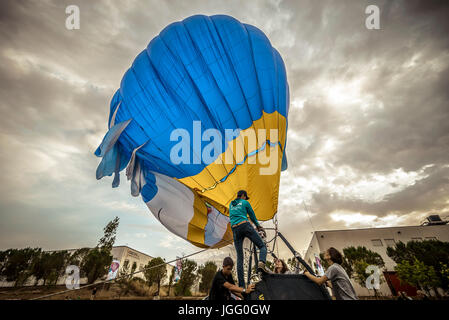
(242,195)
(228,264)
(280,266)
(332,255)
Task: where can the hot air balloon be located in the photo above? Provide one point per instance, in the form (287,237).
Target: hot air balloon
(184,108)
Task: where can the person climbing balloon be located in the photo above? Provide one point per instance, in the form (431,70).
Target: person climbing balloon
(239,210)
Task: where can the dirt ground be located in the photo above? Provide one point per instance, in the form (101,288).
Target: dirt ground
(103,293)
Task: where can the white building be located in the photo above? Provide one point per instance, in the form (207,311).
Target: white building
(128,256)
(377,240)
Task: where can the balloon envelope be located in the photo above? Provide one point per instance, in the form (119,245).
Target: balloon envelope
(201,114)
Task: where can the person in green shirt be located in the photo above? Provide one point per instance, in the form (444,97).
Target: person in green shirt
(239,210)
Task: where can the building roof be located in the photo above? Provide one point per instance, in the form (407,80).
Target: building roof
(133,250)
(377,228)
(92,248)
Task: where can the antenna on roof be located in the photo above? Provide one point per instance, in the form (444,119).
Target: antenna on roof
(433,220)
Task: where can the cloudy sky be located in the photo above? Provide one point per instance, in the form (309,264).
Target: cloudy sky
(368,139)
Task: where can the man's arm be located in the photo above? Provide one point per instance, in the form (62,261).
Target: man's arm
(251,214)
(319,281)
(253,218)
(236,289)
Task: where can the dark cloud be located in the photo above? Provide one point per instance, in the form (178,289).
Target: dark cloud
(365,104)
(425,195)
(399,119)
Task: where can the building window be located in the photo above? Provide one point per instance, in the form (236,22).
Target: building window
(389,242)
(376,242)
(431,238)
(417,239)
(125,264)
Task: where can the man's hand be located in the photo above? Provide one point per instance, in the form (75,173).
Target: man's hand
(250,288)
(262,230)
(318,280)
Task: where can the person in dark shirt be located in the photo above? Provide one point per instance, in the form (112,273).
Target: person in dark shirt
(94,292)
(223,284)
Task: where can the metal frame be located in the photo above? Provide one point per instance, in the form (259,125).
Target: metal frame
(296,254)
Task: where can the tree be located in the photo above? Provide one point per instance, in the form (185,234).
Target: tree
(188,277)
(359,259)
(108,239)
(17,263)
(96,264)
(97,261)
(37,268)
(49,266)
(360,274)
(77,258)
(170,280)
(444,271)
(418,274)
(293,264)
(155,272)
(3,259)
(124,279)
(207,273)
(270,265)
(433,253)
